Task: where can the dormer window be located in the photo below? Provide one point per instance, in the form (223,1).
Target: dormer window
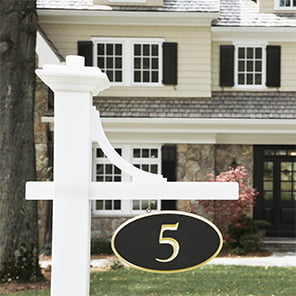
(285,4)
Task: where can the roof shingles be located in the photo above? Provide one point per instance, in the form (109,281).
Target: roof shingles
(246,105)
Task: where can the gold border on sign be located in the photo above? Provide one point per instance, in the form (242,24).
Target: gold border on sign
(197,217)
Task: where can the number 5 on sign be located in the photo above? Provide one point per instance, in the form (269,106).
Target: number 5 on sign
(169,240)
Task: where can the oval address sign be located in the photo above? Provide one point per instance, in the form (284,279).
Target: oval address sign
(167,241)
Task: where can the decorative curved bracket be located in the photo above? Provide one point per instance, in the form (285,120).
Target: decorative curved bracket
(98,135)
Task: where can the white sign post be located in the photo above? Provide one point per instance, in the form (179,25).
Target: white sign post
(77,125)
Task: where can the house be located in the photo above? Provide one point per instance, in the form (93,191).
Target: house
(197,86)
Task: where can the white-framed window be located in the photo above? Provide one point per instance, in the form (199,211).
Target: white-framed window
(250,66)
(148,158)
(285,4)
(130,61)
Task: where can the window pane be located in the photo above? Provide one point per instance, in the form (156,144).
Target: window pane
(258,53)
(109,49)
(258,66)
(136,205)
(268,170)
(108,179)
(286,195)
(268,195)
(249,78)
(286,166)
(118,63)
(154,153)
(137,49)
(267,185)
(286,176)
(146,63)
(241,53)
(146,76)
(118,49)
(117,179)
(101,49)
(155,77)
(99,153)
(145,153)
(241,79)
(110,75)
(145,167)
(101,63)
(286,186)
(146,49)
(108,204)
(153,204)
(154,63)
(110,63)
(250,52)
(154,169)
(137,63)
(250,66)
(117,171)
(136,153)
(118,76)
(241,66)
(99,205)
(144,205)
(100,169)
(117,204)
(137,76)
(109,168)
(155,49)
(258,79)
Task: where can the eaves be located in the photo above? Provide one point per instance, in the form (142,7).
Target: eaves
(271,34)
(132,18)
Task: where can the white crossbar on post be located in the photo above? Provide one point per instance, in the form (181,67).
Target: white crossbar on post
(144,190)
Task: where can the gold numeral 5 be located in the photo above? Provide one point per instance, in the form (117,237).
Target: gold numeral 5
(170,241)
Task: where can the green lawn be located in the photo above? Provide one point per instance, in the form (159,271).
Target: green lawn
(209,280)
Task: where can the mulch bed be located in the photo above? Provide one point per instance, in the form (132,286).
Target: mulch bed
(15,287)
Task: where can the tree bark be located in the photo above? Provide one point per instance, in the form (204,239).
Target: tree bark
(18,217)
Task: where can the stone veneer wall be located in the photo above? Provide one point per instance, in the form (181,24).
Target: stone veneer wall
(103,227)
(196,162)
(243,155)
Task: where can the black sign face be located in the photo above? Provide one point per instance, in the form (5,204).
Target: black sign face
(167,241)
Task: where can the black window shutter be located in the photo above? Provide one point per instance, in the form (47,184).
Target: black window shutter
(226,65)
(85,49)
(169,171)
(273,66)
(170,63)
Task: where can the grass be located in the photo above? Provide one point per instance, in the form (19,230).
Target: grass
(209,280)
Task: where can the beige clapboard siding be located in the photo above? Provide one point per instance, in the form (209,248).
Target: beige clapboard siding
(194,54)
(288,66)
(266,5)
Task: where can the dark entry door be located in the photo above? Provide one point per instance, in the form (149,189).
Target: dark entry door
(275,179)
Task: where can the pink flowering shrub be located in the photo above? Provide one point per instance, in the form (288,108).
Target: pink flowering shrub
(225,213)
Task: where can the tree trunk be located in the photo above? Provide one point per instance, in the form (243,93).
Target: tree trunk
(18,217)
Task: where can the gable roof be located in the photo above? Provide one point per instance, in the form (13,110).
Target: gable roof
(233,13)
(245,13)
(168,5)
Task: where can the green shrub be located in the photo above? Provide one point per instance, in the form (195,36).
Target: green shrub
(243,236)
(100,246)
